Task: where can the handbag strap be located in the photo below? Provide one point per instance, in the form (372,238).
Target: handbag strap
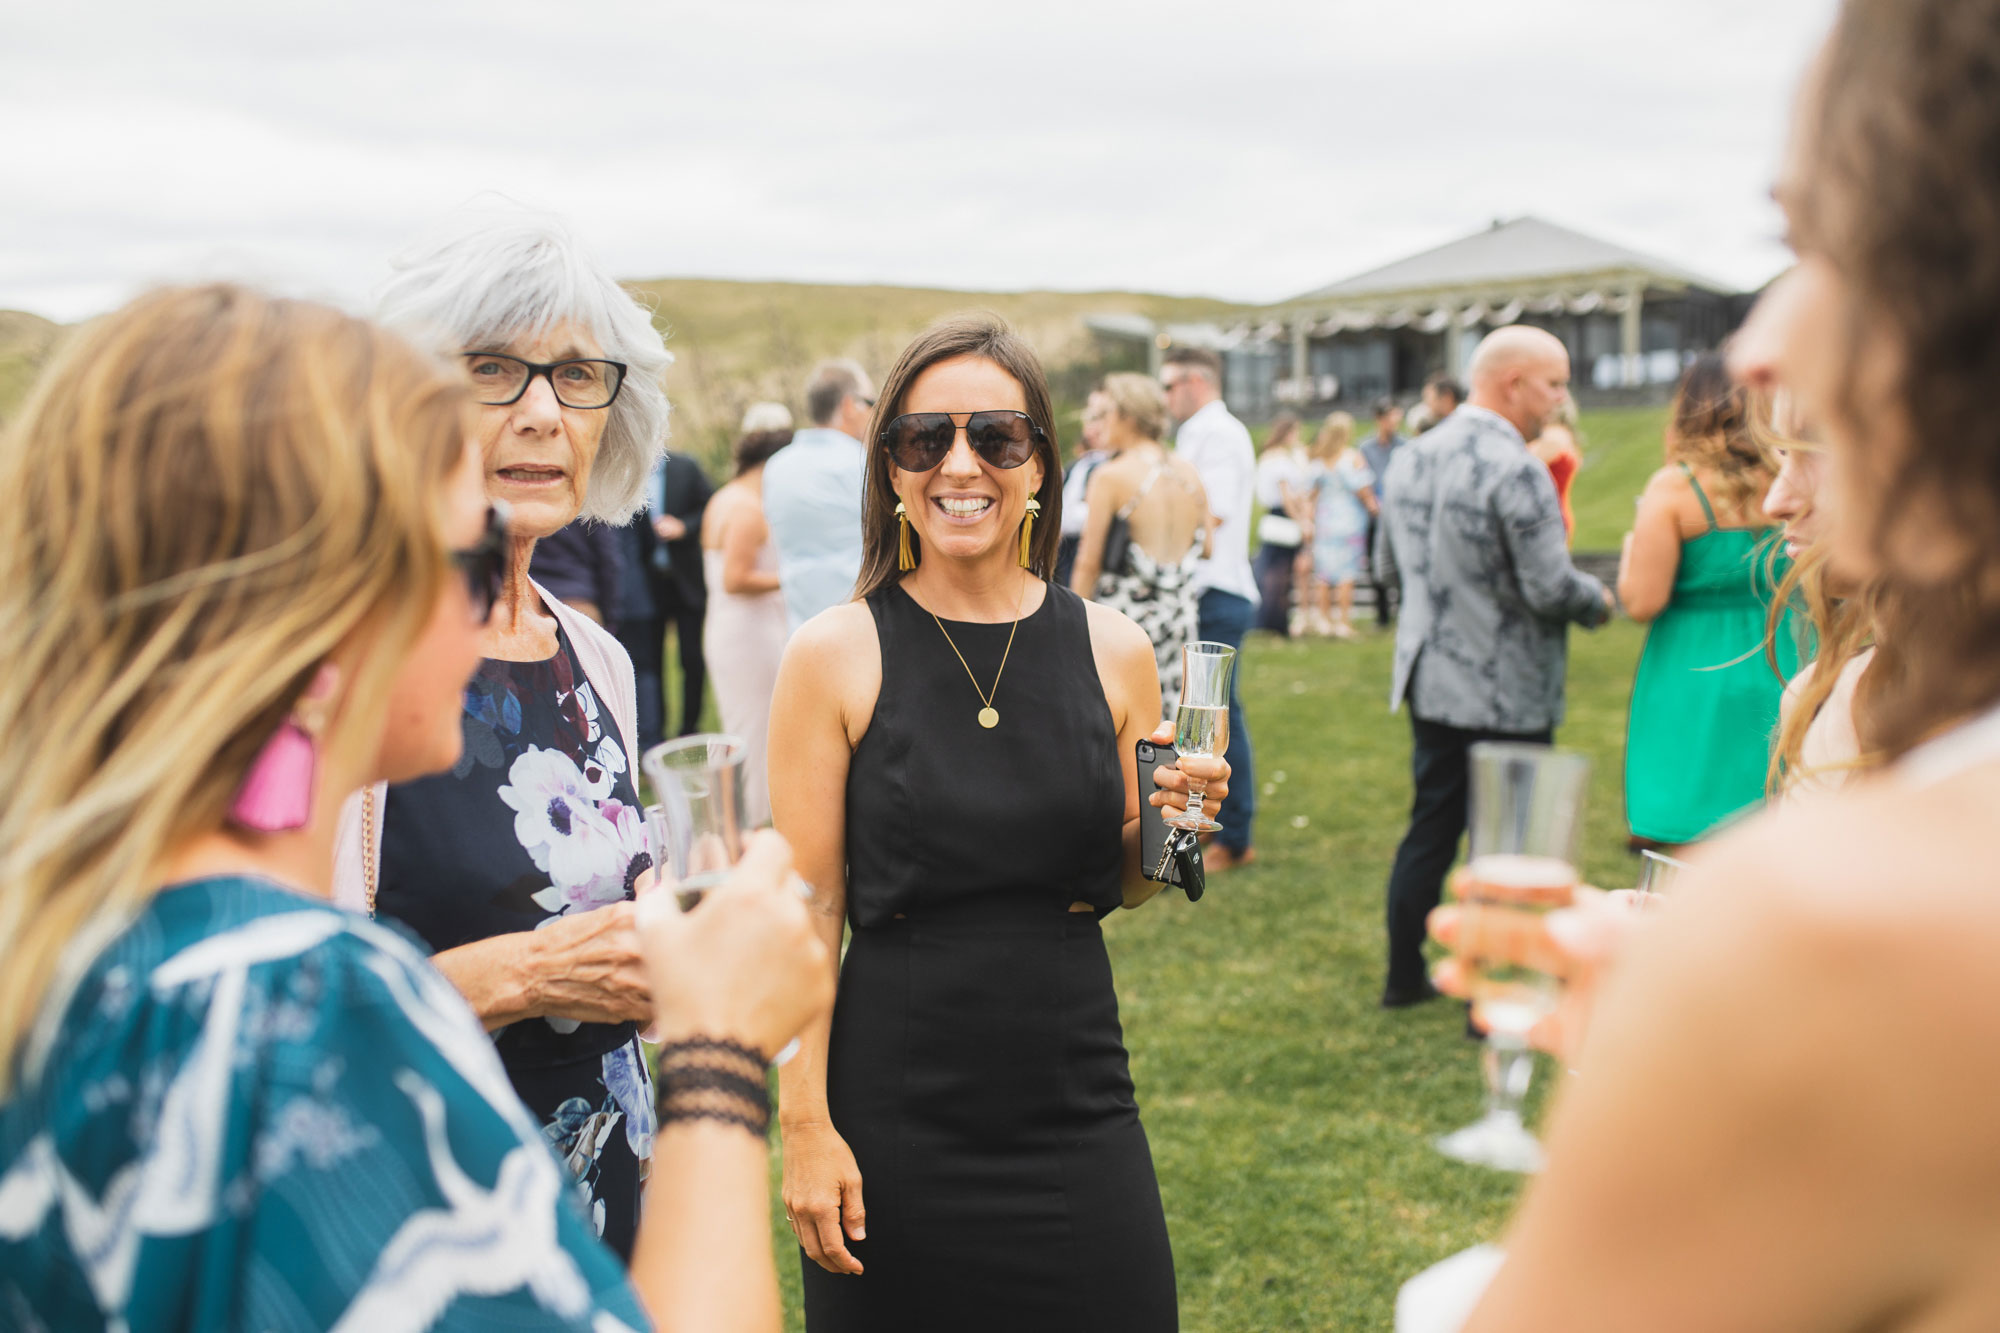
(1145,488)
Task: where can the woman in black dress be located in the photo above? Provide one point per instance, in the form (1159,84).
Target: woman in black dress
(952,758)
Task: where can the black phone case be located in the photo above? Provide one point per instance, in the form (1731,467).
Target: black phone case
(1152,820)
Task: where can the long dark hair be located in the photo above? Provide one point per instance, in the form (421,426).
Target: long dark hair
(1901,193)
(987,337)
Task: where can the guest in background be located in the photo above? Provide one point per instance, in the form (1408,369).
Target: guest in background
(1284,492)
(517,867)
(1076,482)
(1559,446)
(1219,446)
(677,493)
(812,493)
(746,629)
(1150,504)
(1473,536)
(1344,506)
(583,566)
(1443,395)
(1700,567)
(1377,450)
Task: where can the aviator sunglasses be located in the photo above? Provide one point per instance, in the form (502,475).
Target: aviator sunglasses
(919,441)
(484,564)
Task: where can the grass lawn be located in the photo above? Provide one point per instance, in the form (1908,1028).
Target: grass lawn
(1290,1118)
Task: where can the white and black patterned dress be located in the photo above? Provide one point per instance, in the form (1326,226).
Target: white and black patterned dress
(1160,599)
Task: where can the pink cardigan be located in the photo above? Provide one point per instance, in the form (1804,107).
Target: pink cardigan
(605,664)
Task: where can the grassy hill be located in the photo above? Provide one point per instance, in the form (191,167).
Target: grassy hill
(735,343)
(25,343)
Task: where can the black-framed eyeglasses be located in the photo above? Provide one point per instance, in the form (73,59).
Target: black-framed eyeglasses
(919,441)
(484,564)
(588,382)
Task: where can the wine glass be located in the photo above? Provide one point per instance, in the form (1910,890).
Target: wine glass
(699,826)
(1201,726)
(1527,807)
(700,821)
(1657,874)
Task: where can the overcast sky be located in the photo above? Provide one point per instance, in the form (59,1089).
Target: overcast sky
(1247,149)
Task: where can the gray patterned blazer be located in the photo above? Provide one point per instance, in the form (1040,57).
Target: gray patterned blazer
(1473,535)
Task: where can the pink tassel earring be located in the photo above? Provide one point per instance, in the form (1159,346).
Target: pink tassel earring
(277,794)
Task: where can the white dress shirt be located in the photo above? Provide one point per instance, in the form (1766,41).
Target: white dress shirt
(1219,447)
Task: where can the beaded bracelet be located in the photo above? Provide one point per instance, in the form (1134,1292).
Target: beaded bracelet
(710,1078)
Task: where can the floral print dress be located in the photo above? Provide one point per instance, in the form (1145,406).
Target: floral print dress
(539,820)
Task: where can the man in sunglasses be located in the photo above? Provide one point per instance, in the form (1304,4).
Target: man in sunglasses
(812,493)
(1219,446)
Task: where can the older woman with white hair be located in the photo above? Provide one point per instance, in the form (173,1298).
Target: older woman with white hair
(517,867)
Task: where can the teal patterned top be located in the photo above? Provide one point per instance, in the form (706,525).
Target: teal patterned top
(260,1112)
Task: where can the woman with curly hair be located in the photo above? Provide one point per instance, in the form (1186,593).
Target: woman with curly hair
(1698,565)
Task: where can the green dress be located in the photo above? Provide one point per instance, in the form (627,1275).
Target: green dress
(259,1112)
(1705,701)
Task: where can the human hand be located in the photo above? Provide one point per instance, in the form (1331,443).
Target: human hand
(669,528)
(1578,945)
(1172,795)
(822,1195)
(588,967)
(744,964)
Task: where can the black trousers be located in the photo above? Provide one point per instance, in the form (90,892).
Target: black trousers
(646,642)
(1440,773)
(1384,595)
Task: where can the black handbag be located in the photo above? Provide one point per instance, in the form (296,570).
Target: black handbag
(1118,537)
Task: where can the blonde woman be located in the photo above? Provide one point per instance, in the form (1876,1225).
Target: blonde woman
(1343,502)
(1148,526)
(246,574)
(746,629)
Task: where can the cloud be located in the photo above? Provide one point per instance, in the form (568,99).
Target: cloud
(1250,151)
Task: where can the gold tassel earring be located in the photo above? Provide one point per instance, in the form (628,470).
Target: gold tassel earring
(904,560)
(1028,528)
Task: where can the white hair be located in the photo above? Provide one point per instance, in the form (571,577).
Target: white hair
(759,418)
(517,276)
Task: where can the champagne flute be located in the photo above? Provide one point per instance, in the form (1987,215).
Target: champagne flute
(1527,807)
(1201,725)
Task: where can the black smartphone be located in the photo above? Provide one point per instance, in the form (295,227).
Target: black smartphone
(1152,819)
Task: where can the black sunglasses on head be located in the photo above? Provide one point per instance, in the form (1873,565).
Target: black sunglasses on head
(919,441)
(484,564)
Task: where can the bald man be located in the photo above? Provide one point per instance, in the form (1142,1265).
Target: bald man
(1472,533)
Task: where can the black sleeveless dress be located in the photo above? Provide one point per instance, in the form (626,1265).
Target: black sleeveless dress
(976,1066)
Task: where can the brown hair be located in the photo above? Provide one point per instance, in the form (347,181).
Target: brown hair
(755,448)
(989,338)
(1199,359)
(1284,431)
(1711,431)
(210,490)
(1899,191)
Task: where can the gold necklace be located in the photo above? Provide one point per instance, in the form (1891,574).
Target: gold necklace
(989,717)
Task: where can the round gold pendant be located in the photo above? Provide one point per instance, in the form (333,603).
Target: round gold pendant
(988,718)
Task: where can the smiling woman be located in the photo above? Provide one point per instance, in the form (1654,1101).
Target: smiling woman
(518,867)
(952,755)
